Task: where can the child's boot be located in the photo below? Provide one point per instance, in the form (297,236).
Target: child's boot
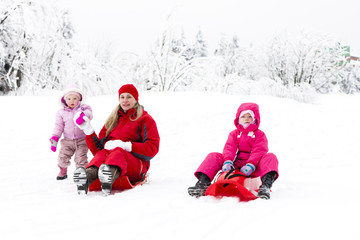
(62,174)
(267,181)
(107,175)
(201,186)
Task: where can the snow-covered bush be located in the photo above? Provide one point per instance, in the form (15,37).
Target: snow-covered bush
(312,59)
(35,43)
(37,51)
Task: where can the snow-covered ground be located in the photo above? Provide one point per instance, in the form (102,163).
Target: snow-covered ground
(315,197)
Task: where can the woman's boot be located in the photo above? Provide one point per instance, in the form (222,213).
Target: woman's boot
(107,176)
(83,178)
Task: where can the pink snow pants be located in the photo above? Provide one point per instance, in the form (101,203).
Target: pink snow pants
(131,166)
(69,148)
(214,161)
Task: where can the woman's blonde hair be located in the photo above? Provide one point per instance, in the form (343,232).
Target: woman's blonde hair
(113,119)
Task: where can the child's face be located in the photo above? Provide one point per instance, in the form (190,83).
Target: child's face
(127,101)
(246,118)
(72,100)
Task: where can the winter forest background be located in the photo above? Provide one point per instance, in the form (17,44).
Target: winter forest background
(192,84)
(37,52)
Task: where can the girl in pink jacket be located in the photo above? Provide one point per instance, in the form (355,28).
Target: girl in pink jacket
(74,138)
(247,149)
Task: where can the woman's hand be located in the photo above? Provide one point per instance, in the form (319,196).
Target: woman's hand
(110,145)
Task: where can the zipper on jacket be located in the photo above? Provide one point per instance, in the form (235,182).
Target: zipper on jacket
(238,136)
(141,168)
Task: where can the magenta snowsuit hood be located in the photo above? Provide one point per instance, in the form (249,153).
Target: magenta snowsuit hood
(247,145)
(64,123)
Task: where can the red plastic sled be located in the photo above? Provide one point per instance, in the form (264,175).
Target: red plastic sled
(120,184)
(234,184)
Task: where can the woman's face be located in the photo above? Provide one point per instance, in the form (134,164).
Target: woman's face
(246,118)
(127,101)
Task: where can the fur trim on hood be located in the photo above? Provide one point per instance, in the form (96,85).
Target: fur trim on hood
(68,89)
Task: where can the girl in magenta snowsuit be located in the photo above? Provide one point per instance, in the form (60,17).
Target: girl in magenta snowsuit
(74,138)
(247,149)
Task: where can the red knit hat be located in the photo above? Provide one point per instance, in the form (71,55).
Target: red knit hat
(129,88)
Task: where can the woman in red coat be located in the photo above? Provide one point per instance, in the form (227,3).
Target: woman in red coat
(125,145)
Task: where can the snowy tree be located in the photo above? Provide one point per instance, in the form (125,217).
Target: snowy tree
(225,55)
(200,48)
(313,60)
(184,47)
(170,70)
(354,78)
(278,60)
(178,44)
(36,41)
(249,63)
(350,78)
(235,63)
(102,69)
(227,52)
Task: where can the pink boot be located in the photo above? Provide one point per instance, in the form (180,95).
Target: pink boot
(62,174)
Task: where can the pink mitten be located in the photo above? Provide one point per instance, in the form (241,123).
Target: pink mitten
(80,119)
(248,169)
(227,165)
(54,141)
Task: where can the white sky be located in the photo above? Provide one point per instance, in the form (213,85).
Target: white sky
(134,25)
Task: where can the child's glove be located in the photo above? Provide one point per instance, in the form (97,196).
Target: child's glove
(54,141)
(80,119)
(85,126)
(248,169)
(110,145)
(227,165)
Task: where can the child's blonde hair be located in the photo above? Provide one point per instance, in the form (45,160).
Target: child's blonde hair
(113,119)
